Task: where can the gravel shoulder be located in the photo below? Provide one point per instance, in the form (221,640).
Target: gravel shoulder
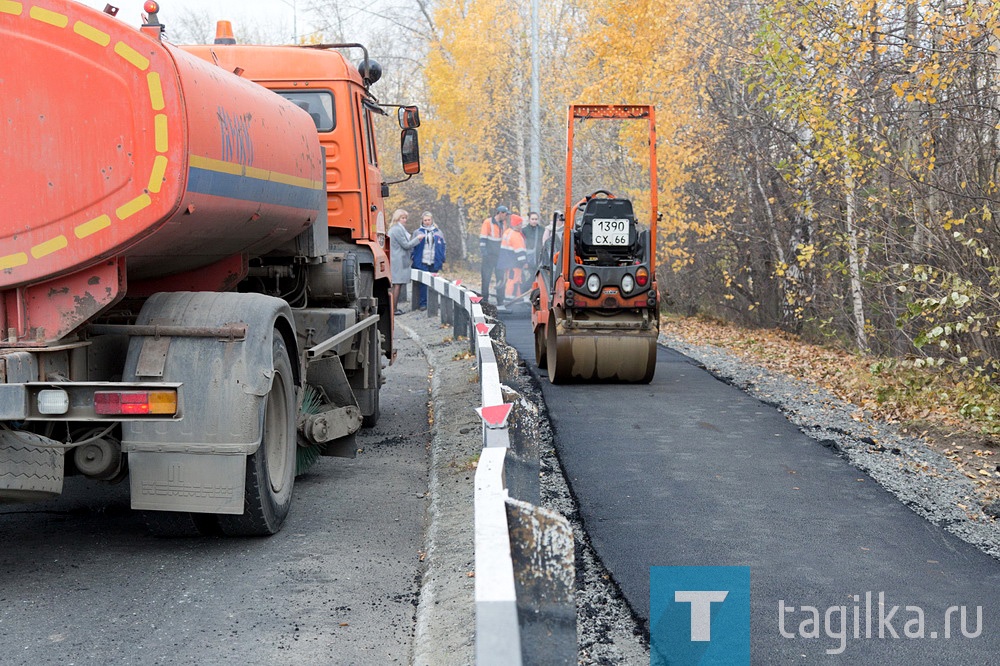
(445,620)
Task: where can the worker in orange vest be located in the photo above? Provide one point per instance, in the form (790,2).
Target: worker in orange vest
(490,237)
(513,257)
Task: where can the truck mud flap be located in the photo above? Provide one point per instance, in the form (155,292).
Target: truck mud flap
(199,483)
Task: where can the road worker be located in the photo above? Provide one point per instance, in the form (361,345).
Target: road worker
(513,257)
(490,237)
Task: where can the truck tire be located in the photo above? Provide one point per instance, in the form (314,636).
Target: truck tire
(270,471)
(30,468)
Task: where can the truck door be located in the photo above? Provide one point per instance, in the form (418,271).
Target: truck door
(375,214)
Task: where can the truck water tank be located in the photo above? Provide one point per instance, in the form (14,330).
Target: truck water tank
(119,145)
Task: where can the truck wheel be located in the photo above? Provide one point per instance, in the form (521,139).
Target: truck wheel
(31,467)
(271,469)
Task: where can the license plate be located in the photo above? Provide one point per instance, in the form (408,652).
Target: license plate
(609,231)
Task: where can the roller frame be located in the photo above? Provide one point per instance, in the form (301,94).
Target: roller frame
(620,346)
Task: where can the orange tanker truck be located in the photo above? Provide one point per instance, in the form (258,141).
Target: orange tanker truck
(194,278)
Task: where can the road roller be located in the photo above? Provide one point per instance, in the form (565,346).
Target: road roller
(594,304)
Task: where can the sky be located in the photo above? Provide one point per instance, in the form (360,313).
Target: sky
(277,13)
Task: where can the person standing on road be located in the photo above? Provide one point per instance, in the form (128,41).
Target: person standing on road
(429,252)
(533,232)
(550,250)
(513,258)
(400,244)
(490,236)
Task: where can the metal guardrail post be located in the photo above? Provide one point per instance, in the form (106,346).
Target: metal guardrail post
(447,306)
(414,292)
(432,302)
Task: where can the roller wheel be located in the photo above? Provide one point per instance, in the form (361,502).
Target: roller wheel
(600,358)
(558,355)
(540,346)
(650,363)
(270,471)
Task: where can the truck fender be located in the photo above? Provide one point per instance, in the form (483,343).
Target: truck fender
(198,462)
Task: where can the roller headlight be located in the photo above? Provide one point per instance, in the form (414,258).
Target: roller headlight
(628,283)
(594,283)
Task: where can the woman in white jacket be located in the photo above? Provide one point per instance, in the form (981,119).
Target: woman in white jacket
(400,244)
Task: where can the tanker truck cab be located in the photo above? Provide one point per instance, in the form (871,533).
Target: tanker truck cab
(336,94)
(194,292)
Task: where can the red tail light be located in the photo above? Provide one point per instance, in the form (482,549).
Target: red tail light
(135,402)
(642,276)
(579,277)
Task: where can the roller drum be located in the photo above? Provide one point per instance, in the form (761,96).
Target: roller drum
(605,356)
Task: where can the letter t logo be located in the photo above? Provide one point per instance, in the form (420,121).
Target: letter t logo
(701,610)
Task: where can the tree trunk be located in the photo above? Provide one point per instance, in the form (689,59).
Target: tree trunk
(853,258)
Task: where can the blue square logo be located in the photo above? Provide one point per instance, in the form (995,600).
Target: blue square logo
(699,615)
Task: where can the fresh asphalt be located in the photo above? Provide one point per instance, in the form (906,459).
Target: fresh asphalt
(690,471)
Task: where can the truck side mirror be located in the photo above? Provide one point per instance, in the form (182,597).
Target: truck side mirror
(409,117)
(410,151)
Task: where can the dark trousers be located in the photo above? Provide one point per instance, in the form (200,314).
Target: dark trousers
(422,300)
(487,272)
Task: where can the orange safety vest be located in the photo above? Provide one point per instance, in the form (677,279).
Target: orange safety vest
(513,251)
(513,255)
(489,237)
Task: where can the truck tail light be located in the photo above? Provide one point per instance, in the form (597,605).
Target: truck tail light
(579,277)
(135,402)
(642,276)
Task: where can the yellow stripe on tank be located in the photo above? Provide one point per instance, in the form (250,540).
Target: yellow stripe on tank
(13,261)
(221,166)
(48,247)
(160,132)
(156,175)
(132,56)
(92,227)
(155,91)
(49,16)
(9,7)
(132,207)
(91,33)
